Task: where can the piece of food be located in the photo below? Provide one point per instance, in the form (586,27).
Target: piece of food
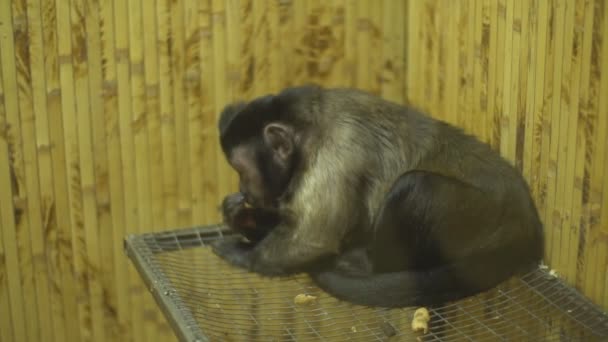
(421,320)
(304,299)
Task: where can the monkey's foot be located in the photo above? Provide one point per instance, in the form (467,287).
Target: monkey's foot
(234,251)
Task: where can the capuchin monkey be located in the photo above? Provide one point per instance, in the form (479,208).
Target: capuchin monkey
(382,205)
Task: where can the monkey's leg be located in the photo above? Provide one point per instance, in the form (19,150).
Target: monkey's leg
(428,219)
(438,239)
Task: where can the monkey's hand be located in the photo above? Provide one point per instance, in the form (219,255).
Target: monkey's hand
(232,205)
(234,251)
(238,217)
(246,256)
(252,223)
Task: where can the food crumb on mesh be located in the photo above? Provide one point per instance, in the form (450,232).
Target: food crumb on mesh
(421,320)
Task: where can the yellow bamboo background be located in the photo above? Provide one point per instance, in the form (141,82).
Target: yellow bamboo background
(108,124)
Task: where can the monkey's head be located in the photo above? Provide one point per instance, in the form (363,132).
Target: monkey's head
(261,141)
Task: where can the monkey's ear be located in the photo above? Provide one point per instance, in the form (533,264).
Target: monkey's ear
(279,137)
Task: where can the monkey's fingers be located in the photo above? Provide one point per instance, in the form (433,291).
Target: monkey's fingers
(235,200)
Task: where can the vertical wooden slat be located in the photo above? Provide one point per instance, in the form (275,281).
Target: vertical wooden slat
(493,71)
(602,292)
(363,32)
(539,102)
(530,70)
(333,59)
(375,46)
(104,270)
(81,34)
(507,129)
(471,122)
(24,162)
(220,95)
(7,326)
(569,109)
(167,112)
(560,144)
(463,16)
(138,121)
(422,39)
(452,81)
(127,153)
(73,193)
(152,110)
(298,29)
(41,186)
(550,172)
(480,80)
(431,68)
(241,15)
(284,29)
(194,118)
(589,79)
(57,226)
(276,63)
(350,43)
(534,72)
(442,23)
(595,158)
(523,28)
(182,154)
(153,141)
(312,17)
(232,68)
(209,139)
(412,87)
(546,127)
(393,62)
(501,49)
(6,321)
(15,241)
(258,41)
(121,304)
(581,48)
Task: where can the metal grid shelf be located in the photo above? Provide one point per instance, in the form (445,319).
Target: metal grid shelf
(205,299)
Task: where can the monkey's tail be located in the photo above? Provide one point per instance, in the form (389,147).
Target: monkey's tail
(451,282)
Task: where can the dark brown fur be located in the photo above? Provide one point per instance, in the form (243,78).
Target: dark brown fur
(377,201)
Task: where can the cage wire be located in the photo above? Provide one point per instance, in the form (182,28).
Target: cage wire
(205,299)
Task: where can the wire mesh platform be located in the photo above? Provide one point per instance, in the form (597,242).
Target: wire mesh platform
(205,299)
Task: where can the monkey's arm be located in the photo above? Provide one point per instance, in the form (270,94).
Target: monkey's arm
(298,243)
(279,253)
(274,250)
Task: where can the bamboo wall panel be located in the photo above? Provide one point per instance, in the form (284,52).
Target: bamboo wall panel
(530,78)
(108,113)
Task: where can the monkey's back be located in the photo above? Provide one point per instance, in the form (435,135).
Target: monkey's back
(386,140)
